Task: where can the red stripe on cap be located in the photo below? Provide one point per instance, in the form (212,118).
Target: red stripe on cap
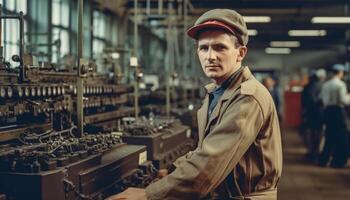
(192,32)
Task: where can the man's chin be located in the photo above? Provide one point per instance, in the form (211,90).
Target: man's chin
(212,75)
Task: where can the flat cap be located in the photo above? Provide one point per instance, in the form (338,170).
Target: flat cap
(338,67)
(226,19)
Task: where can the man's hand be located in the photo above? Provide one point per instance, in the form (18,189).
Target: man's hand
(130,194)
(162,173)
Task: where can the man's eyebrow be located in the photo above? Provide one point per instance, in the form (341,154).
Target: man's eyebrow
(219,43)
(201,45)
(213,44)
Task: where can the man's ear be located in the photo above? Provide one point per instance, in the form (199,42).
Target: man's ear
(242,52)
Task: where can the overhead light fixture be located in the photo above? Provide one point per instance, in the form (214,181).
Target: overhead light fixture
(270,50)
(330,20)
(307,32)
(257,19)
(285,44)
(252,32)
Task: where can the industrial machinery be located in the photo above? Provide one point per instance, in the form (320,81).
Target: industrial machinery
(41,154)
(56,165)
(44,152)
(165,137)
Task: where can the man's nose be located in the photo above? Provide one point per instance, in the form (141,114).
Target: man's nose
(211,54)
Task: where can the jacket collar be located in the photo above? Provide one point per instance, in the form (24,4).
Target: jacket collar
(203,122)
(238,77)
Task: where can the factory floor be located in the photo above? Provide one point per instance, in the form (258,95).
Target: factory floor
(303,180)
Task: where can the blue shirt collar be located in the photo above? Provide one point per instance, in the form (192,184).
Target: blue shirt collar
(227,82)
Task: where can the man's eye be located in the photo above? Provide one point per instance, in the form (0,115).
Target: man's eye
(203,48)
(220,48)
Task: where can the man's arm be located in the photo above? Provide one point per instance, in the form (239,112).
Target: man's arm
(344,96)
(221,150)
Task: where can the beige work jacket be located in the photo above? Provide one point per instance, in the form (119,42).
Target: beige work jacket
(239,153)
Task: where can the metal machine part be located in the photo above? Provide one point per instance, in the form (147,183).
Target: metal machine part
(55,165)
(166,139)
(45,156)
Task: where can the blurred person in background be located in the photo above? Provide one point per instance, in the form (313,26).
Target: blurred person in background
(334,97)
(270,84)
(312,111)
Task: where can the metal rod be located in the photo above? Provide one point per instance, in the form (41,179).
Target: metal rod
(136,91)
(21,46)
(169,63)
(185,48)
(136,95)
(1,30)
(11,16)
(1,47)
(135,28)
(160,7)
(148,7)
(80,32)
(80,81)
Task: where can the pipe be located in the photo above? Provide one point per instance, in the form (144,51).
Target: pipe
(80,81)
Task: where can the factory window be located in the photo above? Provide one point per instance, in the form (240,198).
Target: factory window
(59,13)
(11,28)
(16,5)
(11,38)
(10,5)
(99,24)
(99,32)
(98,46)
(60,30)
(21,6)
(62,36)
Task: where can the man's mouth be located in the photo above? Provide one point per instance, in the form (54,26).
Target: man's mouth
(212,66)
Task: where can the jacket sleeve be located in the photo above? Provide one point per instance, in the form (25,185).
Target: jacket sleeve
(221,150)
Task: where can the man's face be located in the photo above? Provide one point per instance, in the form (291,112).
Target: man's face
(218,55)
(341,74)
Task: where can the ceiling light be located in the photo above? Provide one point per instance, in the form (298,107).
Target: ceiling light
(252,32)
(285,44)
(257,19)
(330,20)
(270,50)
(307,32)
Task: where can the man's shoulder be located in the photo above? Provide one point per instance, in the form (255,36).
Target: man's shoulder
(335,83)
(258,92)
(253,87)
(248,87)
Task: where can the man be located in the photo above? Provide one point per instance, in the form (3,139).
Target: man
(334,97)
(239,153)
(271,86)
(313,113)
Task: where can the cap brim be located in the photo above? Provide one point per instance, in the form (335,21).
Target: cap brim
(193,31)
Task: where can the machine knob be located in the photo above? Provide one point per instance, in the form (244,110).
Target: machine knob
(9,92)
(49,91)
(58,90)
(54,90)
(43,91)
(2,92)
(27,91)
(16,58)
(33,91)
(39,91)
(20,91)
